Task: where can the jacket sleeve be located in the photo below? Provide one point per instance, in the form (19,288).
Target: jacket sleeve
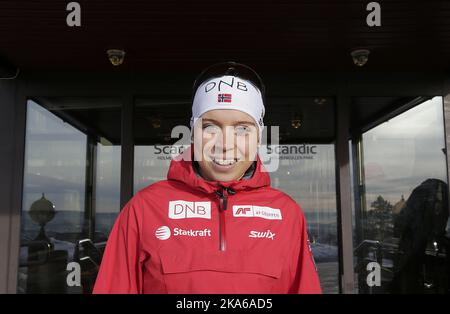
(120,269)
(305,278)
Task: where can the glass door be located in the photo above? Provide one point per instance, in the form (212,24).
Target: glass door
(402,238)
(71,192)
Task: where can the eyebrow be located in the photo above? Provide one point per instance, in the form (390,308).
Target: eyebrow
(235,123)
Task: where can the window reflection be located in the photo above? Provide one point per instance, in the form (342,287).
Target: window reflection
(151,164)
(404,210)
(307,173)
(154,120)
(71,191)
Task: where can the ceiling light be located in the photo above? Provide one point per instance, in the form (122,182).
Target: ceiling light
(296,122)
(116,56)
(320,100)
(360,56)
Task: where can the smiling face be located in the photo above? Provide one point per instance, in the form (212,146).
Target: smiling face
(225,144)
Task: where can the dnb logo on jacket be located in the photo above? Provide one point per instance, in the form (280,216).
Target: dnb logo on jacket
(180,209)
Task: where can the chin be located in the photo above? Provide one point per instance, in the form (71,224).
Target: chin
(223,177)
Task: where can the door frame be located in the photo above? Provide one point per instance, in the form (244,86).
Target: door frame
(340,85)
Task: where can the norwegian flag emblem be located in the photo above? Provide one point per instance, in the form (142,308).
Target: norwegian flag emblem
(224,98)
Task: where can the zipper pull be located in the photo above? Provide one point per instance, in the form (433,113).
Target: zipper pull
(223,197)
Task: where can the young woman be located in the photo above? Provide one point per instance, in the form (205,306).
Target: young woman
(215,225)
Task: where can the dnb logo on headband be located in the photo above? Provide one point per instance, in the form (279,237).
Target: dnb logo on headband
(224,98)
(221,83)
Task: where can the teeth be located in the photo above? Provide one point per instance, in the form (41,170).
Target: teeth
(223,162)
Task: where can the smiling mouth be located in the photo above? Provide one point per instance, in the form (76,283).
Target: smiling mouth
(224,162)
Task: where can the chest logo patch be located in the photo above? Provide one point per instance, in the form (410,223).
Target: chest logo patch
(257,211)
(183,209)
(259,234)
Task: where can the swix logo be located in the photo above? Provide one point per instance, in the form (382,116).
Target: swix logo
(257,211)
(266,234)
(183,209)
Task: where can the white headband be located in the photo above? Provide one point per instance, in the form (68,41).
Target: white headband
(229,92)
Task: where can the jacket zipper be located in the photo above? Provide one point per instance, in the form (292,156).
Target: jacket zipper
(222,196)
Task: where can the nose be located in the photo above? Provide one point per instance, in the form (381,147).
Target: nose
(225,141)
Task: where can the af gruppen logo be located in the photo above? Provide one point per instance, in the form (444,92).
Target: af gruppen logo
(257,211)
(163,233)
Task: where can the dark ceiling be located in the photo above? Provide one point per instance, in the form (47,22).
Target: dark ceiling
(188,35)
(277,39)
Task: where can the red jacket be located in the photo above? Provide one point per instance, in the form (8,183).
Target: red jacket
(189,235)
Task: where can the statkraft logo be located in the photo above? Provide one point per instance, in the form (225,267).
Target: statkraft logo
(257,211)
(184,209)
(192,233)
(258,234)
(164,233)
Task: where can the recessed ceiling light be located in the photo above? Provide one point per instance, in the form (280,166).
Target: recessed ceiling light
(296,122)
(360,56)
(116,56)
(320,100)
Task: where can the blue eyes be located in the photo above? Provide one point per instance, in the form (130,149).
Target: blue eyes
(238,130)
(211,128)
(242,130)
